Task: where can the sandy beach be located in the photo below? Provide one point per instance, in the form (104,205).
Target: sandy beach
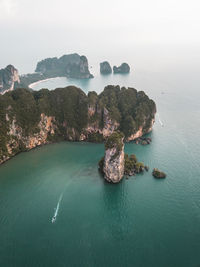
(35,83)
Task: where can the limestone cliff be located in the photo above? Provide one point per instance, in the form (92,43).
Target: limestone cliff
(105,68)
(8,77)
(29,119)
(113,168)
(72,66)
(116,164)
(123,68)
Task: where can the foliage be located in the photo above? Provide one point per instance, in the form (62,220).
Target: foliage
(131,165)
(115,140)
(95,137)
(158,174)
(129,108)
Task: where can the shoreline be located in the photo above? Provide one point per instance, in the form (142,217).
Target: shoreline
(31,85)
(10,157)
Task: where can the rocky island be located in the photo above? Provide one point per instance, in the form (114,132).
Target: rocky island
(105,68)
(9,78)
(158,174)
(116,164)
(33,118)
(70,66)
(123,68)
(112,164)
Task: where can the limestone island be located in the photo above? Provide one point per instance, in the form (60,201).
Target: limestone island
(116,164)
(9,77)
(70,66)
(32,118)
(105,68)
(158,174)
(123,68)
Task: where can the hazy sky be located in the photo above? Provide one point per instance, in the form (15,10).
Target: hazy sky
(145,20)
(41,26)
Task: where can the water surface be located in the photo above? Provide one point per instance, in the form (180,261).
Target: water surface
(139,222)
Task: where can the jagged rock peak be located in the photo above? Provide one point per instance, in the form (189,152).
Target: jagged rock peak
(123,68)
(114,158)
(8,77)
(105,68)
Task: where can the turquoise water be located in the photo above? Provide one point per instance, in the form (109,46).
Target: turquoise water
(139,222)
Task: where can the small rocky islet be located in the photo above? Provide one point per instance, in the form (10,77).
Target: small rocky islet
(115,165)
(143,141)
(158,174)
(123,68)
(105,68)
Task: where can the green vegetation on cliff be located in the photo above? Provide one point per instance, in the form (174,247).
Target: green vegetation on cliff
(131,165)
(115,140)
(76,116)
(130,108)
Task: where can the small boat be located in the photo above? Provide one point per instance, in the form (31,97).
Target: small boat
(53,219)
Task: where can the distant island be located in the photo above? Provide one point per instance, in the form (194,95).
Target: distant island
(33,118)
(123,68)
(70,66)
(105,68)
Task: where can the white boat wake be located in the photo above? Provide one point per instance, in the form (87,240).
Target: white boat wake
(57,209)
(161,123)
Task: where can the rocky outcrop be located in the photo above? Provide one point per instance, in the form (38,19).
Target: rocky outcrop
(132,166)
(113,168)
(158,174)
(72,66)
(20,142)
(8,77)
(115,164)
(123,68)
(105,68)
(143,140)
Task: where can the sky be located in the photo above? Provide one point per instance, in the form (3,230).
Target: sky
(43,27)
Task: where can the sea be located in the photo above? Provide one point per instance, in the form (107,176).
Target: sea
(57,210)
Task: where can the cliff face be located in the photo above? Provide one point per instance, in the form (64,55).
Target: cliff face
(123,68)
(105,68)
(116,164)
(72,65)
(113,168)
(29,119)
(8,77)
